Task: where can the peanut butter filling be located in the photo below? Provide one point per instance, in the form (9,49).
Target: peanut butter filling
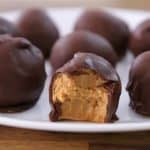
(82,96)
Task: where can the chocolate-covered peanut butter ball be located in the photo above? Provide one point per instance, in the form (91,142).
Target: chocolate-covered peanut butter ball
(7,27)
(22,74)
(39,28)
(86,88)
(112,28)
(139,84)
(140,38)
(81,41)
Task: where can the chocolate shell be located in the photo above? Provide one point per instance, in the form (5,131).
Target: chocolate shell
(22,74)
(86,88)
(112,28)
(139,84)
(39,28)
(81,41)
(140,38)
(6,27)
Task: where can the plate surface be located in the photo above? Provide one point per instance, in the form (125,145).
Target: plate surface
(37,117)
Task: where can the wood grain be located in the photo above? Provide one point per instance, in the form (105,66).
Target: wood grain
(41,145)
(21,139)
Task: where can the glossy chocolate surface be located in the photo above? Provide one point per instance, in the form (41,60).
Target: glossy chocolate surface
(81,41)
(140,38)
(39,28)
(22,73)
(100,66)
(112,28)
(139,84)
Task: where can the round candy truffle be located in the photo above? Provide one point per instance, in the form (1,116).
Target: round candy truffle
(39,28)
(22,74)
(6,27)
(86,88)
(112,28)
(81,41)
(140,38)
(139,84)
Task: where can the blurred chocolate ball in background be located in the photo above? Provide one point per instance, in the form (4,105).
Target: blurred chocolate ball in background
(81,41)
(115,30)
(39,28)
(7,27)
(140,38)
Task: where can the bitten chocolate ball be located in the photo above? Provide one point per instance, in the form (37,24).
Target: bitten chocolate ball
(39,28)
(86,88)
(139,84)
(22,74)
(112,28)
(140,38)
(6,27)
(81,41)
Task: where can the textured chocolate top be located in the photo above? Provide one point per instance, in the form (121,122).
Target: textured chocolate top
(92,61)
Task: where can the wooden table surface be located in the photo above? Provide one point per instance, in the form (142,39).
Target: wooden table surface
(22,139)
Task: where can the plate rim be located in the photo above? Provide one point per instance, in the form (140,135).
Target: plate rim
(83,128)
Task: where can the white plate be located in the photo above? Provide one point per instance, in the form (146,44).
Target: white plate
(37,117)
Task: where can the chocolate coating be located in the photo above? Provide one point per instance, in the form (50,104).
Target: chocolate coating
(112,28)
(139,84)
(140,38)
(6,27)
(81,41)
(101,67)
(22,73)
(39,28)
